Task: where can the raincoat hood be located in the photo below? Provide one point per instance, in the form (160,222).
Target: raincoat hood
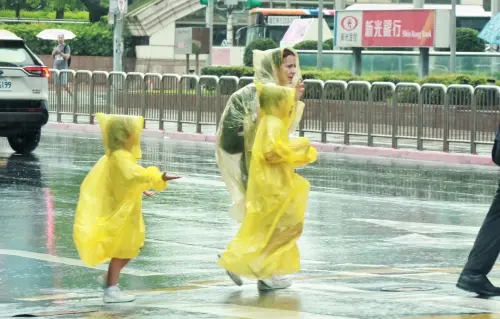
(119,130)
(277,101)
(268,67)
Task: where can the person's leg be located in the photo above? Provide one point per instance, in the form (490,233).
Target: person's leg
(66,83)
(113,294)
(484,254)
(115,267)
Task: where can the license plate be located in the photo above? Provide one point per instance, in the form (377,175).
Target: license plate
(5,85)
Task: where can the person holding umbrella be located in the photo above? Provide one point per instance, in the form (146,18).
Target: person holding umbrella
(61,55)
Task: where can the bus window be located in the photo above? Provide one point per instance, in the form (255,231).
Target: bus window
(254,32)
(261,32)
(276,33)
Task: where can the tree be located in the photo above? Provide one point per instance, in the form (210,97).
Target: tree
(257,44)
(60,6)
(96,10)
(467,41)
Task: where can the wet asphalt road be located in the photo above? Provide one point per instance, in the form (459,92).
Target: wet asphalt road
(372,225)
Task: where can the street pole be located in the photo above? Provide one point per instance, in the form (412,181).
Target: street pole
(229,27)
(118,42)
(320,35)
(424,52)
(453,35)
(339,5)
(210,26)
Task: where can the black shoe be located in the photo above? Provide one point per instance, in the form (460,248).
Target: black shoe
(478,284)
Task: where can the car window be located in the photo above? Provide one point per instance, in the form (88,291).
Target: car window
(14,54)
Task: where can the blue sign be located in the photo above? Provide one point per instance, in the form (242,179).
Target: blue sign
(491,31)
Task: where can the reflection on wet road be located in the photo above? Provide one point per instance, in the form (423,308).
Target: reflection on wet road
(383,238)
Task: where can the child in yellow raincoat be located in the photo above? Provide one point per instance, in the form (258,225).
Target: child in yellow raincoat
(276,197)
(108,221)
(237,124)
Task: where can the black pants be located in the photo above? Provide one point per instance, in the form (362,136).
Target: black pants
(486,248)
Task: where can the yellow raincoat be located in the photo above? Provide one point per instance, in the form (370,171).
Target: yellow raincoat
(108,221)
(237,125)
(276,196)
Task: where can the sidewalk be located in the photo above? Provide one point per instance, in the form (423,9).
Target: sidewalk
(209,136)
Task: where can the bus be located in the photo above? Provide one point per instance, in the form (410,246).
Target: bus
(273,23)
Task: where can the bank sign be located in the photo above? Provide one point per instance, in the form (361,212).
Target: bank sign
(394,28)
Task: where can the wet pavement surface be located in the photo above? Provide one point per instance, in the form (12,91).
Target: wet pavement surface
(383,239)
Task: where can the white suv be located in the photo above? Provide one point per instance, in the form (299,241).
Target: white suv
(24,94)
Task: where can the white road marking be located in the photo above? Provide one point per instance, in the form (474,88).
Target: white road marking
(422,228)
(419,240)
(217,250)
(325,287)
(73,262)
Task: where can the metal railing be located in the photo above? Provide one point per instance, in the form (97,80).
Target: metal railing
(356,112)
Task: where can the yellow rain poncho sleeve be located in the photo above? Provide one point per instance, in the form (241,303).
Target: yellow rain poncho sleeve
(108,220)
(238,122)
(276,196)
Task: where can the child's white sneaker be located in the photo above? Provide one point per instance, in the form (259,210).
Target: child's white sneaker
(275,282)
(234,277)
(113,294)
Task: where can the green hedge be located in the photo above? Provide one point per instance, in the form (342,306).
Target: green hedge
(71,15)
(313,45)
(91,39)
(328,74)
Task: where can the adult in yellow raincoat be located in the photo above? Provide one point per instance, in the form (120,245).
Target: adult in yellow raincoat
(108,221)
(276,197)
(237,125)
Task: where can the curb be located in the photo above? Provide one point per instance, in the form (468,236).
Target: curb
(432,156)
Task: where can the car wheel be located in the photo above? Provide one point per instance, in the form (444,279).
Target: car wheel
(25,142)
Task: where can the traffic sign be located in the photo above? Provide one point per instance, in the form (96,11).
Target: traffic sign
(121,5)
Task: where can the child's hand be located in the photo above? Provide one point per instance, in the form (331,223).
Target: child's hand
(169,178)
(149,193)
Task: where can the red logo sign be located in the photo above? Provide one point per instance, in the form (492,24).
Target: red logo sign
(349,23)
(402,28)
